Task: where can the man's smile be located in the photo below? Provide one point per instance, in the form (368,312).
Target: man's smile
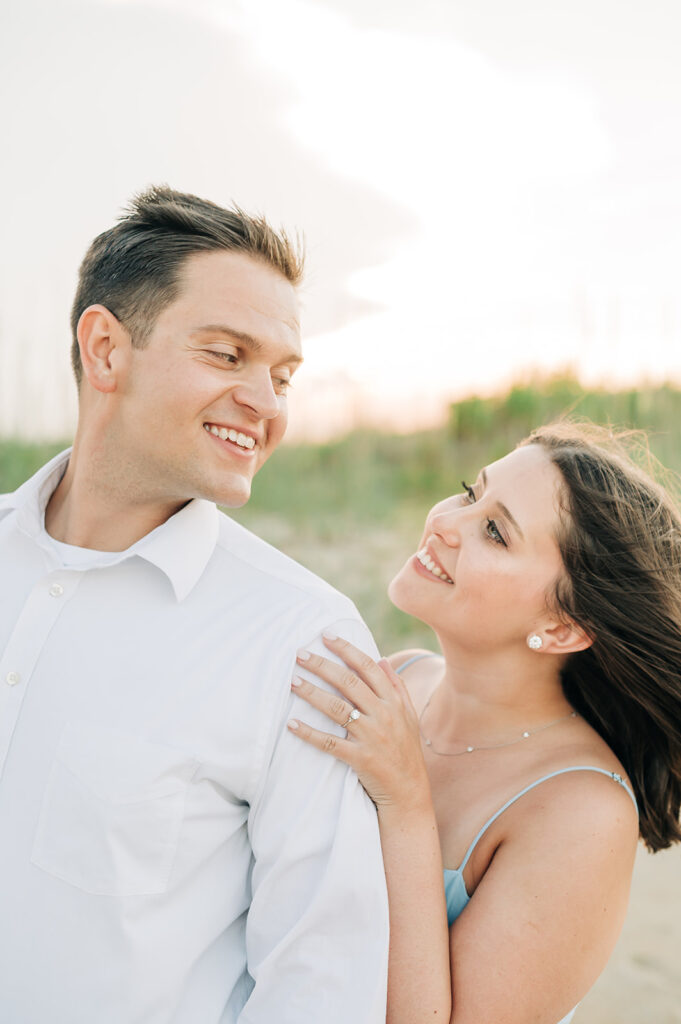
(237,437)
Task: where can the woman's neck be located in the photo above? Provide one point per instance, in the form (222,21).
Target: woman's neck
(486,697)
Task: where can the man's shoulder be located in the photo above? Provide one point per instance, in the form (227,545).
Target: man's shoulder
(274,567)
(6,505)
(10,501)
(29,489)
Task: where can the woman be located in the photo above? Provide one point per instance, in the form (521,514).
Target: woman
(531,754)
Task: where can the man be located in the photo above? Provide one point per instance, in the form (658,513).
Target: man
(170,853)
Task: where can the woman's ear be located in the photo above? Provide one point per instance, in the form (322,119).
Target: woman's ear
(565,638)
(104,348)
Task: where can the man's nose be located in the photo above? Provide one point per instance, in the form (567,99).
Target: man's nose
(257,394)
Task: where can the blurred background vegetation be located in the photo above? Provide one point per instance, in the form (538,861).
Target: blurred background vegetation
(352,509)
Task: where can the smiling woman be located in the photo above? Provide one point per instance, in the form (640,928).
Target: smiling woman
(500,571)
(514,772)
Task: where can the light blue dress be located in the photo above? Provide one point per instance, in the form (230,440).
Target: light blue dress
(455,889)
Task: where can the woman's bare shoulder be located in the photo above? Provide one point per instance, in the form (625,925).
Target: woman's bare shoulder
(399,658)
(423,676)
(561,863)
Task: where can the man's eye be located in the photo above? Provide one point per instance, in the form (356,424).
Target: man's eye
(470,493)
(227,357)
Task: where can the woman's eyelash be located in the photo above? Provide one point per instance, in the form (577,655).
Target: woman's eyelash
(470,493)
(492,529)
(494,534)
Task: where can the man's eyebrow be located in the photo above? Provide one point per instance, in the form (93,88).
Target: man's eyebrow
(504,511)
(244,339)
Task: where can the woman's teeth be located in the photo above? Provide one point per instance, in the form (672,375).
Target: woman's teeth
(428,563)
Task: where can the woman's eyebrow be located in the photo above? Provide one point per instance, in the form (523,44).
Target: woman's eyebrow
(502,508)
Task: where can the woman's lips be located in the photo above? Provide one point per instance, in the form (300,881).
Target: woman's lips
(426,560)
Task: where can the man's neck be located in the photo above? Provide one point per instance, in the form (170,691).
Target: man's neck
(101,511)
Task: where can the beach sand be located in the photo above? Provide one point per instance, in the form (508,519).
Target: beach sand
(642,982)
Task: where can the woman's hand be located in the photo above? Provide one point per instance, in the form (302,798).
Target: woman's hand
(383,742)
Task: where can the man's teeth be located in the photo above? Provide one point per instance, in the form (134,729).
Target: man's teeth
(243,440)
(428,563)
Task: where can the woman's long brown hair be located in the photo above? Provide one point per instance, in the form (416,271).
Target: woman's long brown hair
(620,542)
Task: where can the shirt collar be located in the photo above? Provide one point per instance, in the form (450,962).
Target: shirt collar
(181,547)
(30,500)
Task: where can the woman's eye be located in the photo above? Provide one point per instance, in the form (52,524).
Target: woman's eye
(493,533)
(470,493)
(281,384)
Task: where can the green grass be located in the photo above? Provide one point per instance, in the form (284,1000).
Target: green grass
(20,459)
(352,510)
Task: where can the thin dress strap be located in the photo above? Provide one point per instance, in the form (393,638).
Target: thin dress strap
(561,771)
(415,657)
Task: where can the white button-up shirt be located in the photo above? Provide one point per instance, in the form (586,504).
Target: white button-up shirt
(169,852)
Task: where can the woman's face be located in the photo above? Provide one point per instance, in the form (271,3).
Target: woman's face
(488,558)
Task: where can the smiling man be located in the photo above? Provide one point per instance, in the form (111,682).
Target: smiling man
(170,854)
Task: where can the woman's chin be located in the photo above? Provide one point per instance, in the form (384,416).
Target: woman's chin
(398,593)
(394,590)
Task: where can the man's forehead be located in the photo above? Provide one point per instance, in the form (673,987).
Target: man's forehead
(233,266)
(218,283)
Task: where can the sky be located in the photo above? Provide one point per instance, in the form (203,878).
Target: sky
(488,190)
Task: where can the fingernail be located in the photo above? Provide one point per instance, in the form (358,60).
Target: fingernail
(303,655)
(296,681)
(329,635)
(292,724)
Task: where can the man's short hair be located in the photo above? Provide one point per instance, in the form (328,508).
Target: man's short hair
(134,268)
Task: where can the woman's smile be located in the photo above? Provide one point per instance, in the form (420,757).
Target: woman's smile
(425,564)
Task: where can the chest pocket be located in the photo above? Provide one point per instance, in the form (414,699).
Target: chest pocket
(112,811)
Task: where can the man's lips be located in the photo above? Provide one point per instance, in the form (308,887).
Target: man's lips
(241,439)
(426,560)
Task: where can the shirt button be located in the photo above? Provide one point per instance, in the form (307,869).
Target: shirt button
(12,678)
(56,590)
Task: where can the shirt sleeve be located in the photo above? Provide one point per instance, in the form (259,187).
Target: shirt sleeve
(317,928)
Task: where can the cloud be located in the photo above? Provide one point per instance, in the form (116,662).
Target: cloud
(102,99)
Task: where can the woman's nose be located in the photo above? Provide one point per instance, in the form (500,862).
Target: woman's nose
(446,523)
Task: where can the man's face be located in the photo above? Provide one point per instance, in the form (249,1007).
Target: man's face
(204,404)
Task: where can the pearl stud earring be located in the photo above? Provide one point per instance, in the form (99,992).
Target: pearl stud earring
(535,642)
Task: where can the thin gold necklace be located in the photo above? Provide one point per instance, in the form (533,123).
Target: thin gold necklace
(525,735)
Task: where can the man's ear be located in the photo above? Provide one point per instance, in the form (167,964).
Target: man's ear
(105,348)
(565,638)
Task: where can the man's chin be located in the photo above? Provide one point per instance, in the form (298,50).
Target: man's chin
(234,495)
(229,488)
(231,500)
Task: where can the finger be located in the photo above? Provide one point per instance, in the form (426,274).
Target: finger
(360,662)
(343,750)
(332,705)
(354,689)
(398,683)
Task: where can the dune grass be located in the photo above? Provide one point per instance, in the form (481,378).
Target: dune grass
(352,509)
